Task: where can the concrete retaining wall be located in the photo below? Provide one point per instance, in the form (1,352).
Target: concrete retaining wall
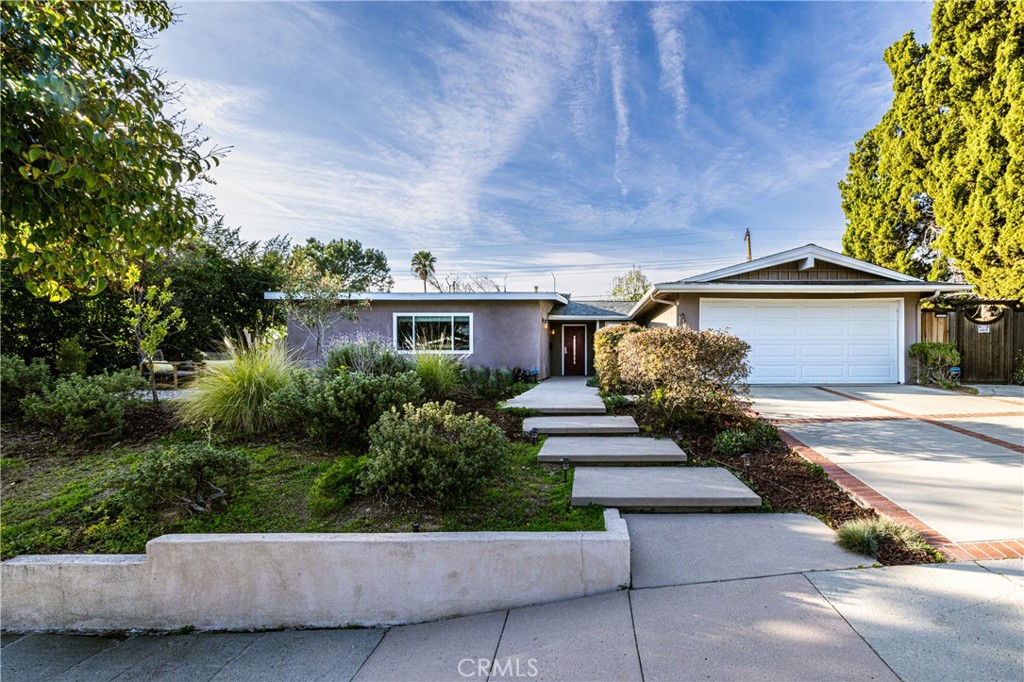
(229,582)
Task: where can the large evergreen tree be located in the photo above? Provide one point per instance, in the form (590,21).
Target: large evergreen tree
(935,187)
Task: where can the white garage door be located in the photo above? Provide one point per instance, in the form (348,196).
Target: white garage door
(813,341)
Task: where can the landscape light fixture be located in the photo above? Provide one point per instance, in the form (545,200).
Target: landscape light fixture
(415,526)
(746,461)
(565,469)
(532,435)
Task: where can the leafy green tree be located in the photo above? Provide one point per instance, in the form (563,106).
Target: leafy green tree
(96,173)
(313,297)
(359,269)
(935,189)
(219,280)
(151,317)
(424,265)
(630,286)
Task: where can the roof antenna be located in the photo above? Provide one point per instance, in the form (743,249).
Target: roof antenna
(554,283)
(746,238)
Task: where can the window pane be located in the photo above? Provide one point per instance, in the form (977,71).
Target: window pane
(461,333)
(433,332)
(405,334)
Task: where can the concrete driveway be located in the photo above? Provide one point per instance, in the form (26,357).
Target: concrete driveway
(951,460)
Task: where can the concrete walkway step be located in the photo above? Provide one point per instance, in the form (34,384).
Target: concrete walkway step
(604,450)
(661,488)
(583,425)
(560,395)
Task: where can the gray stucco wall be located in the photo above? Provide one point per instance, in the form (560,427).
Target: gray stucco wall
(505,333)
(689,313)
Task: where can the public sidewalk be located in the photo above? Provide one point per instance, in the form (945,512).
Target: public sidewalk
(940,622)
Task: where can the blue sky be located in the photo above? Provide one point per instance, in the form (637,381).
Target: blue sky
(515,140)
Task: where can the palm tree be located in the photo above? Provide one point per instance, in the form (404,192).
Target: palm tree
(423,265)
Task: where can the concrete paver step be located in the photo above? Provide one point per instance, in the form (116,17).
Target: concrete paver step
(583,425)
(603,450)
(661,488)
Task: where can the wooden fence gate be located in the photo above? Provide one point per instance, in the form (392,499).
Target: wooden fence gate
(988,334)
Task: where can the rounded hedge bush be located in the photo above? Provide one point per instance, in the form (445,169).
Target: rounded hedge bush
(433,453)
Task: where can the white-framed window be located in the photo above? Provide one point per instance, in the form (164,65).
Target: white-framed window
(433,332)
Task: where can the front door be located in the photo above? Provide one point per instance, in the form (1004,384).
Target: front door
(574,350)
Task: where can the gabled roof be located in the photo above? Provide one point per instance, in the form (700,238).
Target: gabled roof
(592,310)
(870,278)
(809,254)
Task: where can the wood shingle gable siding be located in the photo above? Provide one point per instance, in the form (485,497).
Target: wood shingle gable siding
(790,272)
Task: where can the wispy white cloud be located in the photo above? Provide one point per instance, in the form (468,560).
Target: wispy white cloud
(450,126)
(666,19)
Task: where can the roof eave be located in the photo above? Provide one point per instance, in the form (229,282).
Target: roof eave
(772,288)
(438,296)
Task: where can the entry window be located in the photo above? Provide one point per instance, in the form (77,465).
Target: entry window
(434,332)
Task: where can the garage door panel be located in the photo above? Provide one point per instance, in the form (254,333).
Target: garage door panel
(782,351)
(826,351)
(819,372)
(813,341)
(874,351)
(872,312)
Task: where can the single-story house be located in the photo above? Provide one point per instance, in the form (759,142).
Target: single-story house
(811,315)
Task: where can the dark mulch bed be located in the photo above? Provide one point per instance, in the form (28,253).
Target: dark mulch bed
(143,424)
(509,421)
(787,482)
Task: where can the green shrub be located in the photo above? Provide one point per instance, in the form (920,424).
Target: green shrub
(369,355)
(71,357)
(500,382)
(233,395)
(336,486)
(82,406)
(440,374)
(762,435)
(192,476)
(339,407)
(431,452)
(732,442)
(606,356)
(874,536)
(1018,372)
(933,361)
(680,372)
(18,381)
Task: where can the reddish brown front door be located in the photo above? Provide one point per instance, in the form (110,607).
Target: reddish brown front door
(574,351)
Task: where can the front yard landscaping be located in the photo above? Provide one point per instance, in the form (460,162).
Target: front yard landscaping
(71,485)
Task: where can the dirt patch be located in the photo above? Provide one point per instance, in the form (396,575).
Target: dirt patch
(509,421)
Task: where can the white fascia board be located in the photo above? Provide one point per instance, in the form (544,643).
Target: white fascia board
(808,251)
(432,296)
(919,286)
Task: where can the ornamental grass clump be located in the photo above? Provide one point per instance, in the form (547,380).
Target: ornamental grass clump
(439,374)
(234,395)
(881,535)
(432,453)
